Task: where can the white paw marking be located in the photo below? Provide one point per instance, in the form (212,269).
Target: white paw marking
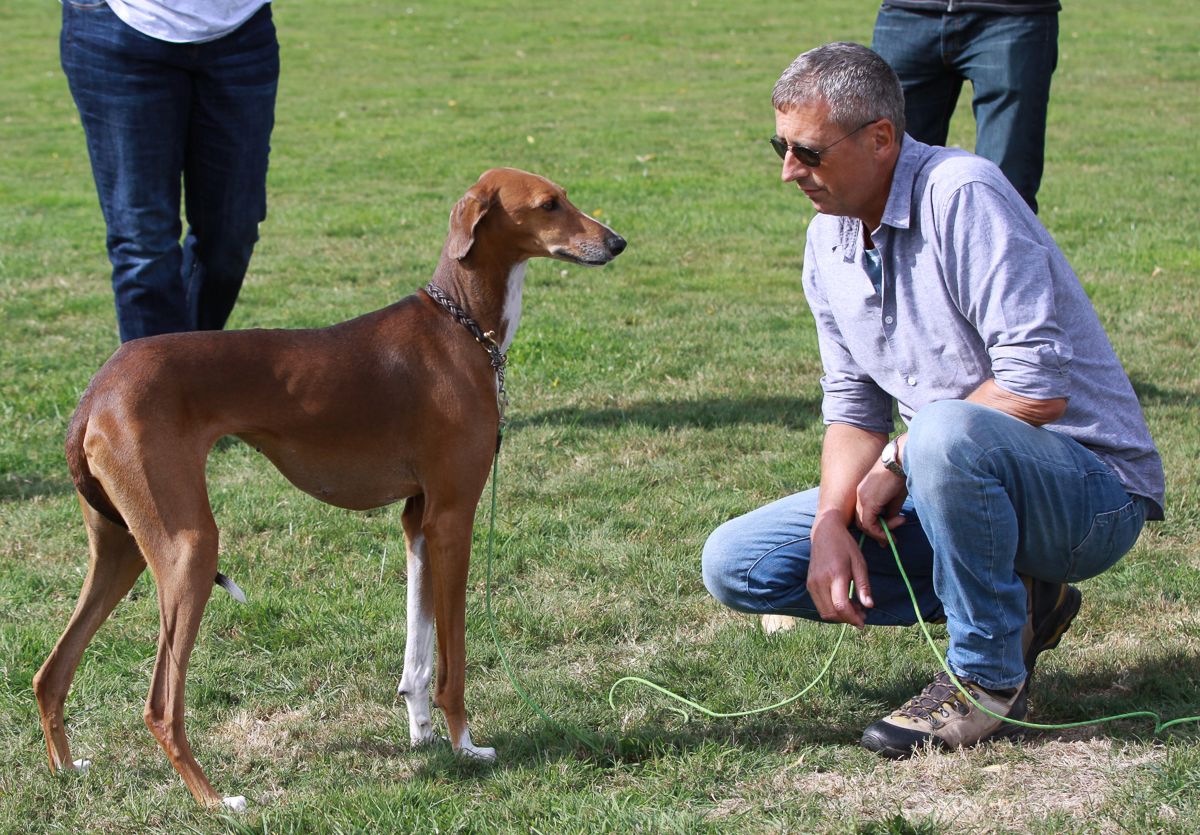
(486,755)
(81,766)
(234,804)
(467,748)
(425,737)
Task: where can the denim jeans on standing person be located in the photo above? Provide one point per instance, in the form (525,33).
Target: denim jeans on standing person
(989,496)
(155,113)
(1008,58)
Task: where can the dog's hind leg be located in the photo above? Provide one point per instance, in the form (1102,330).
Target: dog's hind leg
(165,501)
(184,562)
(114,565)
(418,648)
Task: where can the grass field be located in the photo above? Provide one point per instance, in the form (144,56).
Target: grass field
(652,400)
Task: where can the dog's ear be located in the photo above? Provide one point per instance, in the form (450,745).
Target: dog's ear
(464,217)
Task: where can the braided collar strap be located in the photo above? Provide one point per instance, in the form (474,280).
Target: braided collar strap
(487,340)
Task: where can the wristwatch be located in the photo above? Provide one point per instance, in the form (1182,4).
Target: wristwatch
(891,459)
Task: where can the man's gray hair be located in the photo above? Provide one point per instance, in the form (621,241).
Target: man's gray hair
(854,81)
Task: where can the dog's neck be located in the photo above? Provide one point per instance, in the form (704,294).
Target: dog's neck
(491,294)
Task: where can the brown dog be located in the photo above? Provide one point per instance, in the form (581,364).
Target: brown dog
(398,404)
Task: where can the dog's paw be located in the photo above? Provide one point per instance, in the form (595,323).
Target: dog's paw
(468,749)
(81,766)
(485,755)
(234,804)
(426,738)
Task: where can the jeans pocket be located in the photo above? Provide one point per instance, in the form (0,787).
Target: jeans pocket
(1111,535)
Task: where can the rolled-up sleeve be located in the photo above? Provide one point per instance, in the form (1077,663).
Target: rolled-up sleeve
(1001,277)
(849,394)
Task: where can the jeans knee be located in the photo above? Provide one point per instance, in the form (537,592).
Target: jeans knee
(942,433)
(716,563)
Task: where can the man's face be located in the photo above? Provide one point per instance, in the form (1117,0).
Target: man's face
(848,180)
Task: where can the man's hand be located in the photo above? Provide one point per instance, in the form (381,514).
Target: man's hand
(836,561)
(880,493)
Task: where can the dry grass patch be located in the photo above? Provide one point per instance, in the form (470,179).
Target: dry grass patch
(1000,788)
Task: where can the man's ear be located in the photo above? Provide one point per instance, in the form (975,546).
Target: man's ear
(884,136)
(464,217)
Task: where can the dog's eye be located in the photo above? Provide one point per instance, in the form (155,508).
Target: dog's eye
(550,205)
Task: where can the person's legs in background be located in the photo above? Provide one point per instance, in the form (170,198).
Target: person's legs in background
(912,44)
(225,172)
(133,106)
(1009,60)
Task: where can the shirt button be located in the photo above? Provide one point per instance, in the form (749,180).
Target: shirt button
(888,319)
(912,381)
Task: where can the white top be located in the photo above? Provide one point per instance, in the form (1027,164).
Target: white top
(185,21)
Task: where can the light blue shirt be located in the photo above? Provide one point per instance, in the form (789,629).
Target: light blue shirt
(972,287)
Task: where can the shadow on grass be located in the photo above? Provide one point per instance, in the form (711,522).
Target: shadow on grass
(788,412)
(1166,686)
(15,488)
(1152,393)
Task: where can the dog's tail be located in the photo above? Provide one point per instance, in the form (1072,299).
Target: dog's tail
(231,587)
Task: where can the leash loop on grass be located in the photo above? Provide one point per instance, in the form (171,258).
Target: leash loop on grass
(589,741)
(1159,724)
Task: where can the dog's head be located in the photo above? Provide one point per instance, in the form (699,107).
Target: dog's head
(519,215)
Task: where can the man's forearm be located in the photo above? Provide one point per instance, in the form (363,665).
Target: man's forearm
(846,455)
(1035,412)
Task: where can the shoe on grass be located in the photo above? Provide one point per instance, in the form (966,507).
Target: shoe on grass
(941,717)
(777,623)
(1052,608)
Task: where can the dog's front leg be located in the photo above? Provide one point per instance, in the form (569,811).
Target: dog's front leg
(418,648)
(448,533)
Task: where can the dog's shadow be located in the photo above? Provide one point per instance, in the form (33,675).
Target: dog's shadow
(709,413)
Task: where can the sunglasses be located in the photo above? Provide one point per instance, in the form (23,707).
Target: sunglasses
(807,156)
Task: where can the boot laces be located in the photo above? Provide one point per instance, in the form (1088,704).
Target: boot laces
(939,696)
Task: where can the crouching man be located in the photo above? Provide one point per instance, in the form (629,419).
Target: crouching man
(1026,464)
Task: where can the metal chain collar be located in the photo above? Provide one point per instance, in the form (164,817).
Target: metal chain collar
(487,340)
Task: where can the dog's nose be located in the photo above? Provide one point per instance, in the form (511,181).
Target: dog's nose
(615,244)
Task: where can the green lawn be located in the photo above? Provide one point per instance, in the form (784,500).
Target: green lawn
(651,400)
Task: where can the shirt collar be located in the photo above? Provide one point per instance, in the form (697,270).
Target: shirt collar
(898,211)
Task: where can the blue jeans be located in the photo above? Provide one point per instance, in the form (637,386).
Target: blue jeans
(989,496)
(155,113)
(1008,58)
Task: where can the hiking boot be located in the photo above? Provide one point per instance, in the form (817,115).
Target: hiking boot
(943,718)
(1052,607)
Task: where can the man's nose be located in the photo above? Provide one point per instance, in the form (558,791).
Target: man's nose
(793,169)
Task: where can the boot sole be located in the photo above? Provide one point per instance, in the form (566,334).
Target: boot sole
(877,744)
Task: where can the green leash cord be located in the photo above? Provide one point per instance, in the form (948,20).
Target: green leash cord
(591,742)
(1159,724)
